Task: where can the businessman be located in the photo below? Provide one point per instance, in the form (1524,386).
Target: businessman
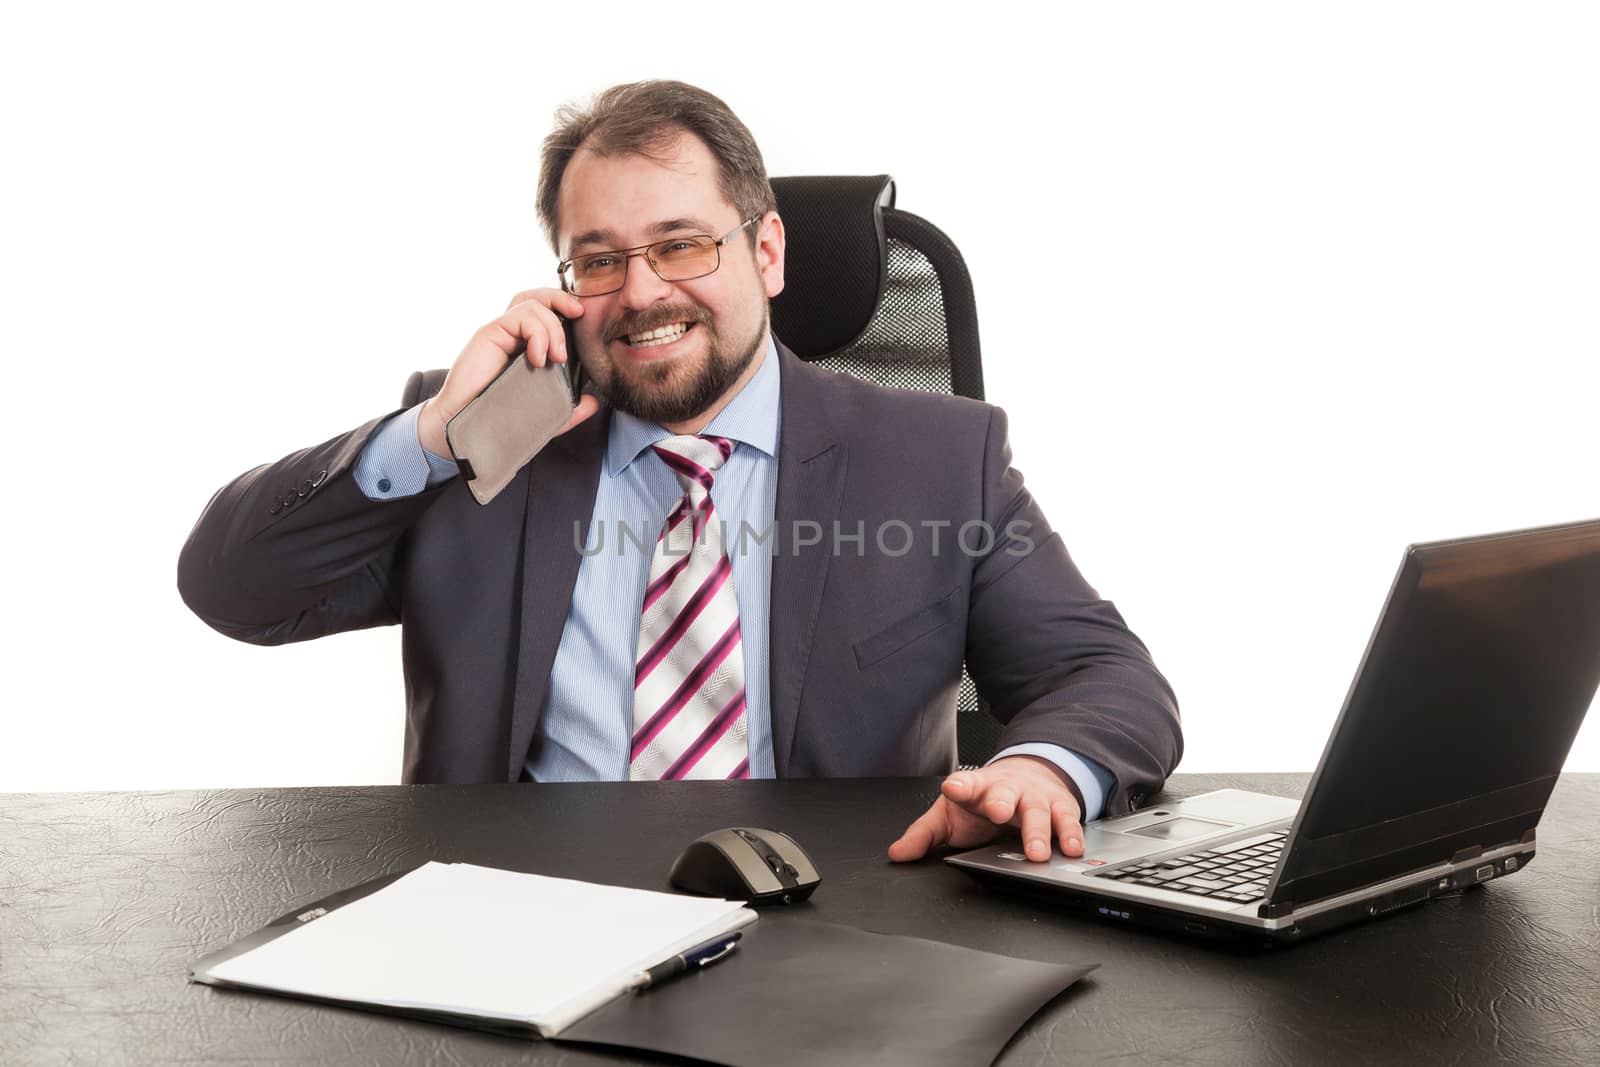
(821,554)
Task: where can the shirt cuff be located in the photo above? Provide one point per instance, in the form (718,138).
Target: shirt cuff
(1094,782)
(394,463)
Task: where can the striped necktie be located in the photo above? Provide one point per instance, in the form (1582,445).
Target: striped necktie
(688,685)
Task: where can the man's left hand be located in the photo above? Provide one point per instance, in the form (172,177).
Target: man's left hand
(1021,791)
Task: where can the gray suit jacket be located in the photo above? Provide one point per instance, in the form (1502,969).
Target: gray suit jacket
(866,646)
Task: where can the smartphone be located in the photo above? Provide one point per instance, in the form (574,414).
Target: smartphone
(515,416)
(575,373)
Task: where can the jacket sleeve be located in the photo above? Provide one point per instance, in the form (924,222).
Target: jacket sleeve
(1055,662)
(294,550)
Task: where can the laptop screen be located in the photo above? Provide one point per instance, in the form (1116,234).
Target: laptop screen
(1477,677)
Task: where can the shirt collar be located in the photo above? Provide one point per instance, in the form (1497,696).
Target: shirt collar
(751,418)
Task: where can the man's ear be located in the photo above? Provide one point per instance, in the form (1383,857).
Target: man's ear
(769,253)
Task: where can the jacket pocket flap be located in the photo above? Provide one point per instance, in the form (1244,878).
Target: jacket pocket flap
(902,632)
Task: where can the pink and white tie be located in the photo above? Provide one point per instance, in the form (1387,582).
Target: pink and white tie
(688,684)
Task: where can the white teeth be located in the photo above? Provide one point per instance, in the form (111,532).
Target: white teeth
(659,336)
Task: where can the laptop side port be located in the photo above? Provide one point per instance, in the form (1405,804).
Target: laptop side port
(1395,901)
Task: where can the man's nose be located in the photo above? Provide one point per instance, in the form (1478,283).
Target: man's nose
(642,286)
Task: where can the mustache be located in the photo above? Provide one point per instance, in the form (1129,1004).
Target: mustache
(659,315)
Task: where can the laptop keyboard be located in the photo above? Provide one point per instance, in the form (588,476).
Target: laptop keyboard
(1236,872)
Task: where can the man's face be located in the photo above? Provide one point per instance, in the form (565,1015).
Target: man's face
(615,202)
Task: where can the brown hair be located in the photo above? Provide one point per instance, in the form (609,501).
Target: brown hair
(632,119)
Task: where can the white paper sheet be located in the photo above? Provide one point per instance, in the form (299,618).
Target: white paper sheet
(481,941)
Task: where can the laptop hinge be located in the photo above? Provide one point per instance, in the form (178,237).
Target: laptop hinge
(1472,852)
(1284,908)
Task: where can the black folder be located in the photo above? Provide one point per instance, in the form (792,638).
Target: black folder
(797,992)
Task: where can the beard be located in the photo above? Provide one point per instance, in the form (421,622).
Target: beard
(670,392)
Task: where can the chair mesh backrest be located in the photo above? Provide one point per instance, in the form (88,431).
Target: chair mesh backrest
(907,343)
(924,335)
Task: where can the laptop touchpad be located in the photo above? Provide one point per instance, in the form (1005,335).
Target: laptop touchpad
(1179,828)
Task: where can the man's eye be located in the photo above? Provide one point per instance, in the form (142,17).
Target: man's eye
(594,263)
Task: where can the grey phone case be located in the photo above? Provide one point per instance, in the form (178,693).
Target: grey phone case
(506,425)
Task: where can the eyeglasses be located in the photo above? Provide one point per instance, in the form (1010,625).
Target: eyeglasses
(677,259)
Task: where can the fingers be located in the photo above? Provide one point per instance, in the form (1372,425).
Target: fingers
(1039,804)
(529,326)
(981,793)
(531,323)
(531,329)
(1065,816)
(545,338)
(1035,818)
(931,829)
(555,299)
(1003,803)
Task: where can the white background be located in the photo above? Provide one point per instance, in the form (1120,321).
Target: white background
(1268,290)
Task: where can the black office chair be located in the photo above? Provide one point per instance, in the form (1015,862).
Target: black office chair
(882,294)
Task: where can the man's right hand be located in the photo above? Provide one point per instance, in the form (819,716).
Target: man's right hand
(529,326)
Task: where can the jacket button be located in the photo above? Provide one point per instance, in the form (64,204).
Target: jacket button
(277,505)
(305,488)
(318,480)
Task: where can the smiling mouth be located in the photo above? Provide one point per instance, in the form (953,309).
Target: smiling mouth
(661,335)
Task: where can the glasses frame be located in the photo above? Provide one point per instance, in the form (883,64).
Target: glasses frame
(628,254)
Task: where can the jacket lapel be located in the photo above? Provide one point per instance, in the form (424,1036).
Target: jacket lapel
(562,482)
(812,459)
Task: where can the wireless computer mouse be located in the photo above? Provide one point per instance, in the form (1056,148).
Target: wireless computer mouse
(746,863)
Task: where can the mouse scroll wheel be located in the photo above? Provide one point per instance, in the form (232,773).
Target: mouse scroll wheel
(776,864)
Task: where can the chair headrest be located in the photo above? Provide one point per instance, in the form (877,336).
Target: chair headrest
(836,260)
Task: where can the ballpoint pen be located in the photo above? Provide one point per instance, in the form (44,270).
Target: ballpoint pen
(692,960)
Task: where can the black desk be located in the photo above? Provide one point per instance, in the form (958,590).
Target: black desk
(105,898)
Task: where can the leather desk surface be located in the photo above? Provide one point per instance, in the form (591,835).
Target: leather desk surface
(105,898)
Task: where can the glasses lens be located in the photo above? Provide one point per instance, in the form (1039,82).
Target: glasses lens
(599,273)
(683,258)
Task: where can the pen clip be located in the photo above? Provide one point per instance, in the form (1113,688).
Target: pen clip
(708,960)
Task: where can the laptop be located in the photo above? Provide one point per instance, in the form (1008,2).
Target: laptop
(1485,659)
